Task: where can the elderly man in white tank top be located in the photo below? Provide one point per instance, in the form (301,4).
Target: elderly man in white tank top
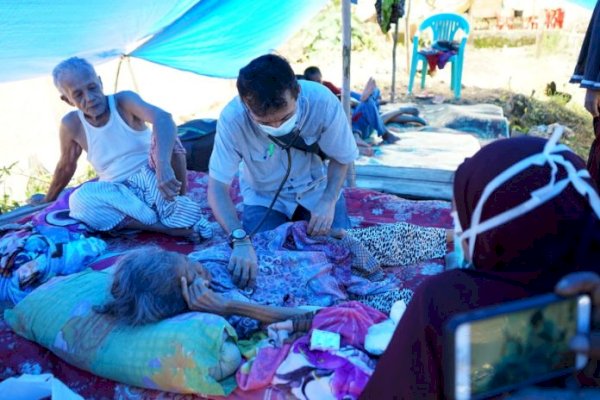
(142,172)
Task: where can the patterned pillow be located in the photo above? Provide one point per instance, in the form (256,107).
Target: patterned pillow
(188,353)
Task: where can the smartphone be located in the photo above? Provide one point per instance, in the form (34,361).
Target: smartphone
(497,349)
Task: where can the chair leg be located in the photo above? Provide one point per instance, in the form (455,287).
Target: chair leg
(413,72)
(458,80)
(424,73)
(453,77)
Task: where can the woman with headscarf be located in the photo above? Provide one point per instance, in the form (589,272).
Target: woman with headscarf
(529,214)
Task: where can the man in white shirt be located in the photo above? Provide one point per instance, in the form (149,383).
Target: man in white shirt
(274,111)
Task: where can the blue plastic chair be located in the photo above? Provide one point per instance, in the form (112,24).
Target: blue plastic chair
(444,27)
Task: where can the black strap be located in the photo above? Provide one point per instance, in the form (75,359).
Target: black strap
(293,139)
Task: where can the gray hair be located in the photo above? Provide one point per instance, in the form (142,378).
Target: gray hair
(69,66)
(145,287)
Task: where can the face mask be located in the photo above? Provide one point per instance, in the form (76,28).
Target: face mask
(456,259)
(538,197)
(281,130)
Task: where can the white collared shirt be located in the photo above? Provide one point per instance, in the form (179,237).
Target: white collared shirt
(321,119)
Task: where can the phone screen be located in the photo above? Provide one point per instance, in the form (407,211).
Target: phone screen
(497,353)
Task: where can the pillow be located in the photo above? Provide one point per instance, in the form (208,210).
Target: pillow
(188,353)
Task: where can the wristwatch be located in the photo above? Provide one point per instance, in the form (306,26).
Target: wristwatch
(237,235)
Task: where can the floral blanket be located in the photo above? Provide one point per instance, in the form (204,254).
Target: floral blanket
(365,207)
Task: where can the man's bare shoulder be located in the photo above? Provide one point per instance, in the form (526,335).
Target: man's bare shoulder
(70,126)
(126,97)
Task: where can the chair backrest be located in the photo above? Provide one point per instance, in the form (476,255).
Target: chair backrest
(445,26)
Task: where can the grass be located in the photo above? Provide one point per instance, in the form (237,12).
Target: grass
(525,113)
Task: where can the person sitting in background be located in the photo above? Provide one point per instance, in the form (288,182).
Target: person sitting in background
(142,172)
(365,116)
(526,214)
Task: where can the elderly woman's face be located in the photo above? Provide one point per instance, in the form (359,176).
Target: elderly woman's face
(192,270)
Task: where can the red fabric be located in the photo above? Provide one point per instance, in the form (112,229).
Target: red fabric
(334,89)
(365,208)
(351,320)
(263,368)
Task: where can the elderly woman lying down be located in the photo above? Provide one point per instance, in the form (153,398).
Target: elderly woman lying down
(295,270)
(151,284)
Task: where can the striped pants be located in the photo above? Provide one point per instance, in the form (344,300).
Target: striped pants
(104,205)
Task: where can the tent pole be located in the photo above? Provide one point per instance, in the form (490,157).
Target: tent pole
(346,57)
(135,85)
(346,47)
(118,73)
(407,35)
(393,94)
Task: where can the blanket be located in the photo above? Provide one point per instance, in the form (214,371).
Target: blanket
(365,207)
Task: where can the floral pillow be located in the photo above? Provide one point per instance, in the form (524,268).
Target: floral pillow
(189,353)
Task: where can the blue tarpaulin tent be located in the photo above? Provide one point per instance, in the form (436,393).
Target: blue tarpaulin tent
(590,4)
(208,37)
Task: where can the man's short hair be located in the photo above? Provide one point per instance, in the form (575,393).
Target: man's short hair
(68,66)
(311,72)
(262,84)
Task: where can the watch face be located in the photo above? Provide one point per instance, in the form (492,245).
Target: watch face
(238,234)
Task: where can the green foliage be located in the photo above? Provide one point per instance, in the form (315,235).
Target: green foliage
(481,42)
(39,181)
(552,41)
(525,113)
(6,203)
(323,34)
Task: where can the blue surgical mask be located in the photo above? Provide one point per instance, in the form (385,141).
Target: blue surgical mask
(456,259)
(282,129)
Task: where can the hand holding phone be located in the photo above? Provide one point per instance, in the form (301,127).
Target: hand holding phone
(578,283)
(497,349)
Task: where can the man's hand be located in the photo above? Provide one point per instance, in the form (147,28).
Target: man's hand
(200,298)
(243,265)
(168,184)
(321,218)
(592,102)
(578,283)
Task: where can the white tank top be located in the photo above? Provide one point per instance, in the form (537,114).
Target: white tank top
(115,150)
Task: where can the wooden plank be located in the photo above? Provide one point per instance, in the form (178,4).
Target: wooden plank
(410,189)
(405,173)
(420,183)
(407,188)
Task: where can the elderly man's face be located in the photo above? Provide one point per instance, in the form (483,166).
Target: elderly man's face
(83,89)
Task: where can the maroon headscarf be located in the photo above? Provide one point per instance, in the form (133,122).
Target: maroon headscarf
(540,246)
(523,257)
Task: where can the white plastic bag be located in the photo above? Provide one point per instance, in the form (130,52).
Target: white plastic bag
(35,387)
